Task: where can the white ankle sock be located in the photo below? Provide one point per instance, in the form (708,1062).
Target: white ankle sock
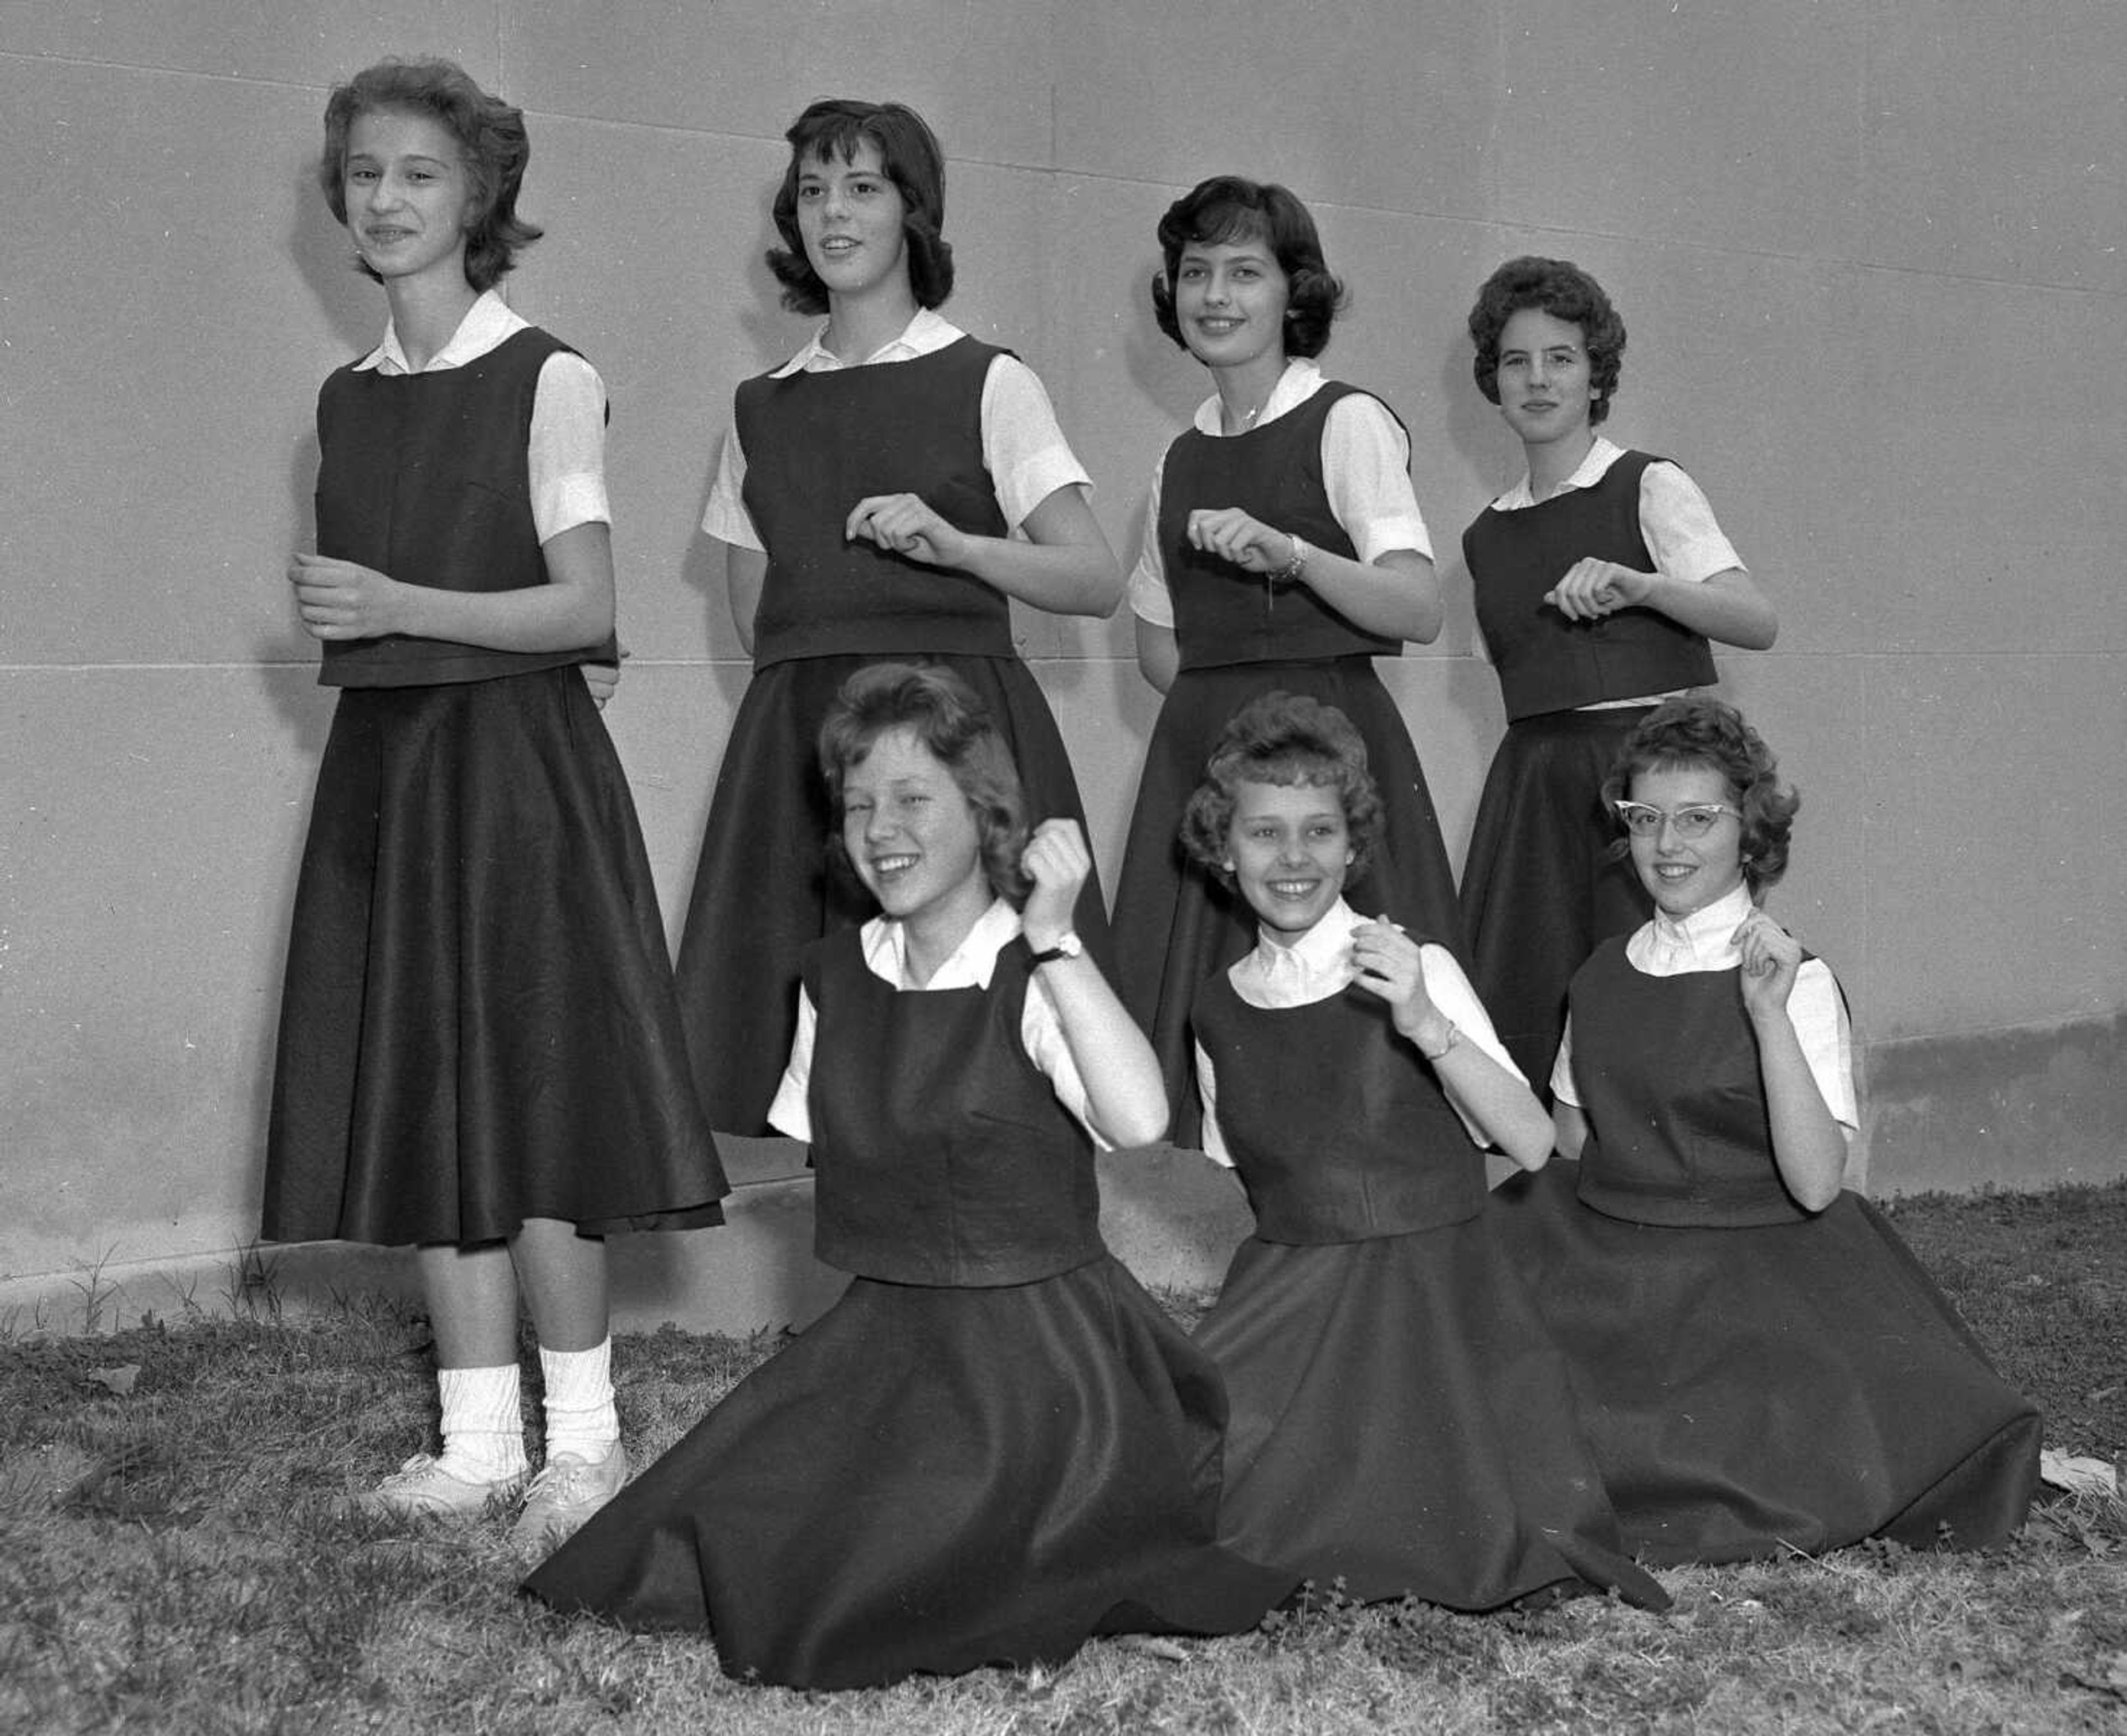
(580,1418)
(483,1422)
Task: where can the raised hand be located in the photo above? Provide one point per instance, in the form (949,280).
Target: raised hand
(1232,535)
(1771,956)
(904,524)
(1593,589)
(1057,862)
(338,599)
(1390,965)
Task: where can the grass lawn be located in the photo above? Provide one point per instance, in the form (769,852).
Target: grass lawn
(172,1558)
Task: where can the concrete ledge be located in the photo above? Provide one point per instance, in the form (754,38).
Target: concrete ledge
(1172,1216)
(754,1273)
(2033,1107)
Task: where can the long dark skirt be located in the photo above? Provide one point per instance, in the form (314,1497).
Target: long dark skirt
(479,1025)
(1176,925)
(1540,888)
(933,1480)
(1793,1386)
(1402,1422)
(764,887)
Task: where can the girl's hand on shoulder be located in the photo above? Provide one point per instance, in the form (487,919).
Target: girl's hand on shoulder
(904,524)
(1232,535)
(1057,862)
(1593,589)
(1390,965)
(1771,956)
(338,599)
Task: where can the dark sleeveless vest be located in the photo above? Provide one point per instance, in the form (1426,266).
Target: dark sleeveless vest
(815,445)
(423,476)
(944,1156)
(1336,1124)
(1546,663)
(1667,1069)
(1222,614)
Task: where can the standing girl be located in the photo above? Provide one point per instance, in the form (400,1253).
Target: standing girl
(1283,548)
(1764,1366)
(995,1445)
(1600,577)
(1371,1324)
(480,1053)
(886,492)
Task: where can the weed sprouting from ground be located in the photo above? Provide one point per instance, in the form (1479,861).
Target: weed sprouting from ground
(253,1287)
(96,1291)
(176,1556)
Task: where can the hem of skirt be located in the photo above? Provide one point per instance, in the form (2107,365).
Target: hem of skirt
(707,1215)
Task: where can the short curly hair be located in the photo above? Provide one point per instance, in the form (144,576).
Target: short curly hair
(490,133)
(1679,734)
(914,162)
(1562,290)
(946,716)
(1285,739)
(1228,209)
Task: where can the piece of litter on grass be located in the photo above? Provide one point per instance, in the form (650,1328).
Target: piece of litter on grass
(2106,1675)
(119,1380)
(2077,1473)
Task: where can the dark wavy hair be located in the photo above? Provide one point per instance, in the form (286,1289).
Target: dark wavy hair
(1562,290)
(944,713)
(1286,739)
(1228,209)
(1682,734)
(489,132)
(909,152)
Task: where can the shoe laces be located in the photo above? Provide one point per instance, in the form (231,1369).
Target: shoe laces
(563,1479)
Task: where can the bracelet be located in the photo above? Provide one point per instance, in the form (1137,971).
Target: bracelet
(1292,568)
(1454,1037)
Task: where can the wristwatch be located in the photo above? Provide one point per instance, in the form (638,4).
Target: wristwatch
(1068,945)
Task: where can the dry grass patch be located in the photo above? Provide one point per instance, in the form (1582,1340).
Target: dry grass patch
(175,1556)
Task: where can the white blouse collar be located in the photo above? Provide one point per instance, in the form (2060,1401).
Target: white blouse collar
(970,965)
(1590,470)
(1315,966)
(929,332)
(1699,942)
(1301,380)
(486,323)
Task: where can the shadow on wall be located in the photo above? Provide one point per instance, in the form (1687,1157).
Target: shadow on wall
(773,334)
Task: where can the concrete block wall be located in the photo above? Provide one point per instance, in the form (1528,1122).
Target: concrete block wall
(1868,252)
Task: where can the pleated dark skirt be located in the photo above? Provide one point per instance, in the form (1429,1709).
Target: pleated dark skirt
(1176,925)
(1399,1420)
(1540,889)
(931,1480)
(763,886)
(478,1025)
(1749,1391)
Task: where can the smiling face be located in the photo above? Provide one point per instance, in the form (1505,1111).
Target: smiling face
(852,220)
(912,835)
(1680,876)
(408,196)
(1230,302)
(1288,848)
(1545,391)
